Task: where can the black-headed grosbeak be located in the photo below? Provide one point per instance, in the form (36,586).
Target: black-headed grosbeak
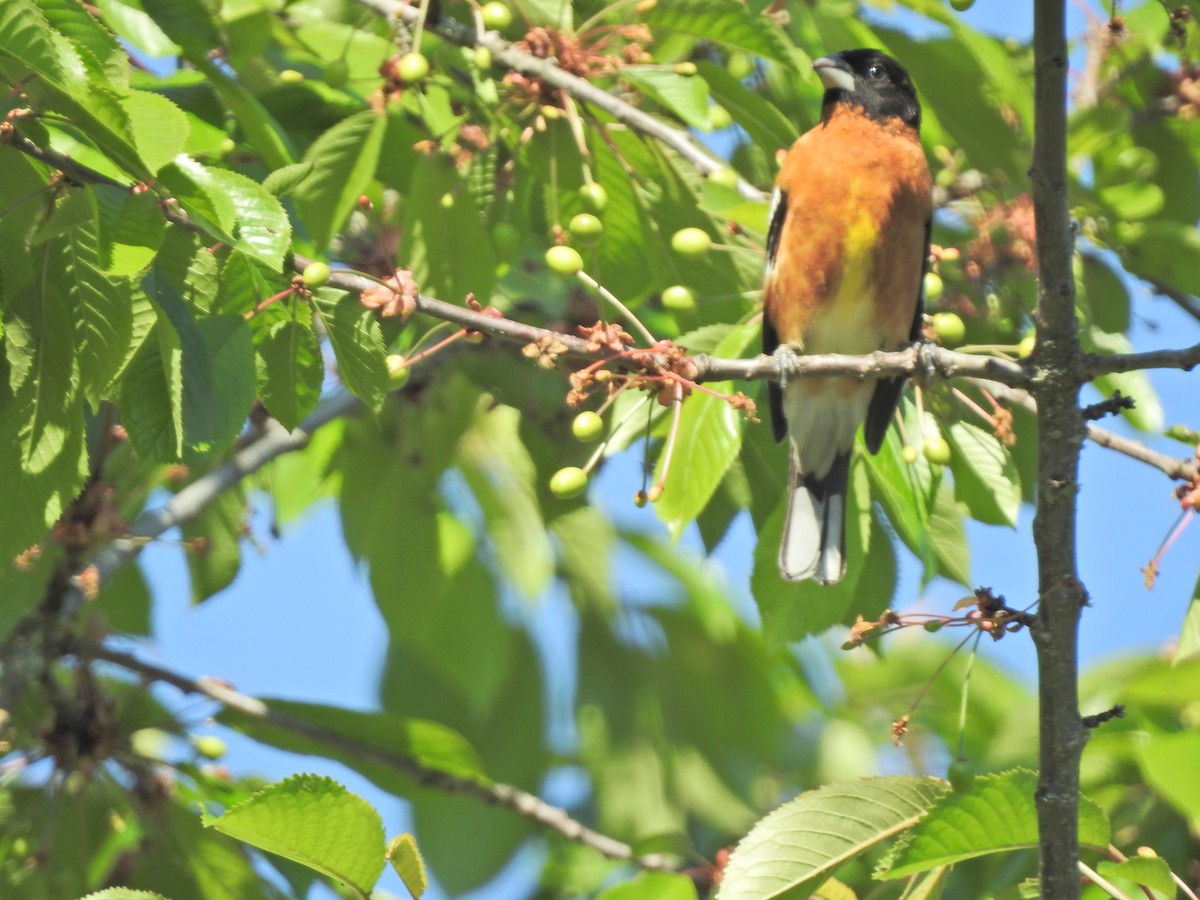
(846,250)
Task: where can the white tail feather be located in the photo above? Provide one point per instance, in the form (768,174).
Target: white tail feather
(814,528)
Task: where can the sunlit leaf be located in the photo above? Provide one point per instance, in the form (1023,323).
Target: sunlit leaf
(315,822)
(796,847)
(997,814)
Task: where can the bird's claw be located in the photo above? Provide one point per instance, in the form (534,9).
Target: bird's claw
(785,356)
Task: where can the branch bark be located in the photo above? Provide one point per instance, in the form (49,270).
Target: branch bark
(524,804)
(1056,383)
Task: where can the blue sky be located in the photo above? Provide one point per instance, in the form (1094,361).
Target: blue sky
(300,622)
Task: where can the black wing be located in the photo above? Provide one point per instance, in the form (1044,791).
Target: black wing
(888,390)
(770,339)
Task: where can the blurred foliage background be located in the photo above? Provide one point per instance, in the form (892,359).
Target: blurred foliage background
(141,353)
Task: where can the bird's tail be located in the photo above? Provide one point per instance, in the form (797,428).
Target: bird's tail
(814,532)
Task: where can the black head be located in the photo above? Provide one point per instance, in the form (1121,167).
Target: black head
(870,80)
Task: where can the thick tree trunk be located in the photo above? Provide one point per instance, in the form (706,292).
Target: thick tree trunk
(1060,435)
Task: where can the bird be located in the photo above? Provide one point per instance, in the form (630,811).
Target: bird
(847,245)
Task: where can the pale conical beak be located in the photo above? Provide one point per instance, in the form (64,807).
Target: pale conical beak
(834,73)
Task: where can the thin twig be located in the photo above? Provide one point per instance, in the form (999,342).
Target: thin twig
(524,804)
(1171,466)
(1095,878)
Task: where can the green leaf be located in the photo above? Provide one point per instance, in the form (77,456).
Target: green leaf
(192,24)
(998,814)
(290,370)
(160,129)
(652,886)
(103,306)
(1166,252)
(63,82)
(357,342)
(213,544)
(343,163)
(1153,872)
(763,122)
(948,536)
(39,343)
(103,54)
(802,843)
(708,441)
(1105,295)
(283,181)
(1168,763)
(406,859)
(684,95)
(263,231)
(430,744)
(1189,634)
(269,139)
(446,247)
(907,492)
(547,12)
(133,24)
(316,822)
(151,398)
(131,228)
(497,466)
(194,188)
(985,477)
(125,602)
(730,25)
(1147,414)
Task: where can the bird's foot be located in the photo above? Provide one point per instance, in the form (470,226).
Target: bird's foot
(785,357)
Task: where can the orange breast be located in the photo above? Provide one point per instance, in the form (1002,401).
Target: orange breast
(851,251)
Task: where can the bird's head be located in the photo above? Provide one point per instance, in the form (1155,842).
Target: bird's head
(870,80)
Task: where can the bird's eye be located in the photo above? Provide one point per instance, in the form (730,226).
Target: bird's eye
(875,71)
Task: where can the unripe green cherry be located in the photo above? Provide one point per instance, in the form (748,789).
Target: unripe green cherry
(934,287)
(568,482)
(315,274)
(678,298)
(740,65)
(483,58)
(587,426)
(909,454)
(291,76)
(937,450)
(949,328)
(208,745)
(934,625)
(961,775)
(724,176)
(496,16)
(719,117)
(564,260)
(412,67)
(691,242)
(1025,348)
(586,228)
(398,371)
(593,197)
(685,68)
(962,5)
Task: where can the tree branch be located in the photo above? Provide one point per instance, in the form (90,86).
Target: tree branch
(1171,466)
(1056,382)
(548,71)
(524,804)
(1186,358)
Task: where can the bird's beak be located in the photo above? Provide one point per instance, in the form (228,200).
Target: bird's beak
(834,73)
